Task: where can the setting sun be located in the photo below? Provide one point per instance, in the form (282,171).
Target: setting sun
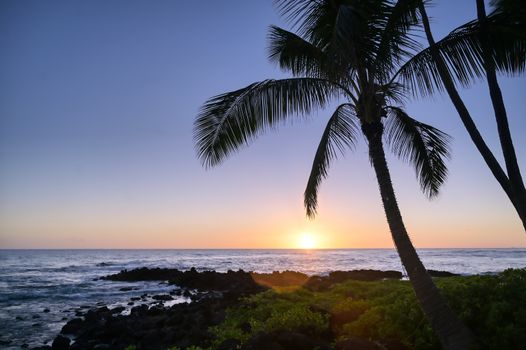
(307,241)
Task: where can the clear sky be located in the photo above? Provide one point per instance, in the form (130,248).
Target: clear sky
(97,101)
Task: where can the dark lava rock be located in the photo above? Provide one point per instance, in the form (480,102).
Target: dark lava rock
(73,326)
(280,279)
(46,310)
(144,274)
(435,273)
(234,283)
(162,297)
(322,283)
(117,310)
(155,328)
(139,310)
(126,289)
(60,343)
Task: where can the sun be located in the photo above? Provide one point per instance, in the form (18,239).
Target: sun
(307,241)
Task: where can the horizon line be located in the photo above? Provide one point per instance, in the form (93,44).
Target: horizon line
(300,249)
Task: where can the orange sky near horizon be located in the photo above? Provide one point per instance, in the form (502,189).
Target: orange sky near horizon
(97,105)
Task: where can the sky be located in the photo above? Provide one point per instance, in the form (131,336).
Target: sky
(97,102)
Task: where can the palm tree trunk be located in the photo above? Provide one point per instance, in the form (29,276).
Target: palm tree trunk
(449,329)
(469,124)
(506,142)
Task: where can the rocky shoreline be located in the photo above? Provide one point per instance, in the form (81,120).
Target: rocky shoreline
(156,326)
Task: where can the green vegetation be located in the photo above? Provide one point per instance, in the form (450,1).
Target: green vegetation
(494,307)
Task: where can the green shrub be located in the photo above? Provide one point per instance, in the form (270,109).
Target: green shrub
(493,307)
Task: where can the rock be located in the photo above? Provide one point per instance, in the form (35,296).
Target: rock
(60,343)
(36,316)
(117,310)
(144,274)
(46,310)
(130,303)
(141,309)
(162,297)
(19,318)
(236,283)
(72,327)
(436,273)
(126,289)
(280,279)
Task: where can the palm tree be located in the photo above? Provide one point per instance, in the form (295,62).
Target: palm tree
(477,49)
(345,50)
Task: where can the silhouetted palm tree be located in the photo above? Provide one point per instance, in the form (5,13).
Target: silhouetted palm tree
(480,48)
(347,50)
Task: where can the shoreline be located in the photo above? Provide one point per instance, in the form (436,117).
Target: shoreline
(209,296)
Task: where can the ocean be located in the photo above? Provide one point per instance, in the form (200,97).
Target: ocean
(41,289)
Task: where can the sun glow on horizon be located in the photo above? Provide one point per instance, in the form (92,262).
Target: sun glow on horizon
(307,241)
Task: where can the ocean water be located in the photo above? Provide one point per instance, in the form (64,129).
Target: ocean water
(41,289)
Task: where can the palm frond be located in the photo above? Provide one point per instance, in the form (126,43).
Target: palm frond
(461,50)
(345,29)
(295,54)
(420,144)
(339,134)
(396,41)
(232,119)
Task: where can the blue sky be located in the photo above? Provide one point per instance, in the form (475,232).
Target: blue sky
(97,101)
